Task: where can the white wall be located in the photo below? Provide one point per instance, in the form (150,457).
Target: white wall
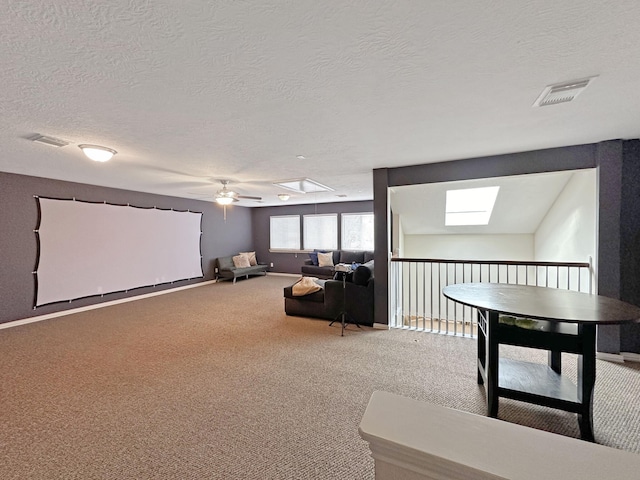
(568,231)
(397,242)
(470,247)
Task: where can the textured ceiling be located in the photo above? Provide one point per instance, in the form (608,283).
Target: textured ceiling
(189,92)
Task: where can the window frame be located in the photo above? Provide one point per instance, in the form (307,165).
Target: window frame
(284,249)
(304,232)
(342,230)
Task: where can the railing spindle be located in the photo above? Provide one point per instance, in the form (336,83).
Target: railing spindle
(405,298)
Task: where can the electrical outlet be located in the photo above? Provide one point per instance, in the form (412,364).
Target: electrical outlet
(271,264)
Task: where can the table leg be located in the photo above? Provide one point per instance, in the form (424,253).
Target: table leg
(482,348)
(555,361)
(554,356)
(586,380)
(492,364)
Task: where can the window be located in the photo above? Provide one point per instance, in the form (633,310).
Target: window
(321,231)
(284,232)
(357,231)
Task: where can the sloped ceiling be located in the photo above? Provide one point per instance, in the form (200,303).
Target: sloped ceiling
(192,92)
(522,203)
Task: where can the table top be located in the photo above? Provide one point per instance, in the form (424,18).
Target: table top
(543,303)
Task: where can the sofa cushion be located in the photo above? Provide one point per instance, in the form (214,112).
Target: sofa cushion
(363,273)
(225,263)
(325,259)
(368,256)
(314,271)
(347,256)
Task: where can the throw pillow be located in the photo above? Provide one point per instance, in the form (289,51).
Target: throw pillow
(305,286)
(325,259)
(251,256)
(241,261)
(314,258)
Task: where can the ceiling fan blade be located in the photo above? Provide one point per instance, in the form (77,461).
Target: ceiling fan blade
(249,198)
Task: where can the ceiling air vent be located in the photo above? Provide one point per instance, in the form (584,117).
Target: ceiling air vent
(561,92)
(54,142)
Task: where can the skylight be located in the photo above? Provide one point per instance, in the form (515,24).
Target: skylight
(471,206)
(304,185)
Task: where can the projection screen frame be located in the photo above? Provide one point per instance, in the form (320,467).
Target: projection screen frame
(101,295)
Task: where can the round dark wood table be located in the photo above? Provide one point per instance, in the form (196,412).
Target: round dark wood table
(551,319)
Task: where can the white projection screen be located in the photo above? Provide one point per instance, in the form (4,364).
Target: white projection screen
(88,249)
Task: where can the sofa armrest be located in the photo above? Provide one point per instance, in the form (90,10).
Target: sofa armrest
(333,288)
(333,297)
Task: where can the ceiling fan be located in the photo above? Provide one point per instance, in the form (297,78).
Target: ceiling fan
(227,197)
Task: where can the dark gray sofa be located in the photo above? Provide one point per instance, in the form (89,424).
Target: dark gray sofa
(227,270)
(357,298)
(339,256)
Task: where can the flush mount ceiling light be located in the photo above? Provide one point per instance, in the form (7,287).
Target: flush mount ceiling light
(562,92)
(284,196)
(97,153)
(470,206)
(304,185)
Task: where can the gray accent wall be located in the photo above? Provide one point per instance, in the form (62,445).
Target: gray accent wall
(19,217)
(291,262)
(630,240)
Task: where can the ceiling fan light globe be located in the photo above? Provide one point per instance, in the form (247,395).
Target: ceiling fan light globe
(224,200)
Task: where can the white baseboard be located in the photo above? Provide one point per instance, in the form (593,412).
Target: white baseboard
(630,356)
(610,357)
(619,357)
(284,274)
(40,318)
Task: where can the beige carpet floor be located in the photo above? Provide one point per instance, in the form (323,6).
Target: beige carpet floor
(216,382)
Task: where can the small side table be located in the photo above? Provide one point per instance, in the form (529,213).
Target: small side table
(344,274)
